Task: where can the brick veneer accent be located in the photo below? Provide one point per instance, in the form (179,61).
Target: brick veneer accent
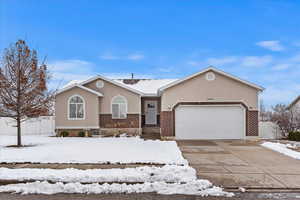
(75,132)
(252,123)
(167,123)
(132,121)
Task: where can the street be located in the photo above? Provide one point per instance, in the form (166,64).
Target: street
(149,196)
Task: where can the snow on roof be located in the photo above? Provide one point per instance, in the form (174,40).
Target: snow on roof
(148,86)
(73,82)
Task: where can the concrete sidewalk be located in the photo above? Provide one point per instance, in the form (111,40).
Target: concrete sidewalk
(239,163)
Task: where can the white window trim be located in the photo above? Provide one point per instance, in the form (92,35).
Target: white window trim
(69,107)
(126,107)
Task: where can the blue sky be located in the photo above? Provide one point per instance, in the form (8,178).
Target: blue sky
(256,40)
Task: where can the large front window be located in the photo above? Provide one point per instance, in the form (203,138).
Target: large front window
(119,107)
(76,107)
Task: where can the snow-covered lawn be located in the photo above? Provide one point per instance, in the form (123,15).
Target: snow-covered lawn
(282,148)
(174,178)
(167,173)
(90,150)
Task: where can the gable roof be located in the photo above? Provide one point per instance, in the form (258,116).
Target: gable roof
(150,87)
(211,68)
(293,102)
(144,87)
(81,87)
(112,82)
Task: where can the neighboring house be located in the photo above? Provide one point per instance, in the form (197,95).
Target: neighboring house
(295,106)
(210,104)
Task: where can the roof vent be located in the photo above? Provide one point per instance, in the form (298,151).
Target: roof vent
(131,81)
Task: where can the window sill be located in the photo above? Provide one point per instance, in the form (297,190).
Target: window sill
(71,119)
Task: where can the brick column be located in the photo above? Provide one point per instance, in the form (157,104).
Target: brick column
(252,123)
(167,123)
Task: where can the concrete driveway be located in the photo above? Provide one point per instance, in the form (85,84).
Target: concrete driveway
(238,163)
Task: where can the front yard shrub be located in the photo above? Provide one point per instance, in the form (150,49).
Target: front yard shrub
(81,134)
(294,136)
(297,136)
(64,134)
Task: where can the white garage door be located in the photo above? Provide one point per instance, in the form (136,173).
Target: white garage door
(210,122)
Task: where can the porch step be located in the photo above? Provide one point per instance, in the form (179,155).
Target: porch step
(151,133)
(151,130)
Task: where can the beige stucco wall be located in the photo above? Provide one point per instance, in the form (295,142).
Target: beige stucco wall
(199,89)
(91,109)
(109,91)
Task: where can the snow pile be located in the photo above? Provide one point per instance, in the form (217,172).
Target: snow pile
(196,187)
(167,173)
(282,148)
(293,145)
(90,150)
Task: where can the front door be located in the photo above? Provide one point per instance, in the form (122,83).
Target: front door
(150,112)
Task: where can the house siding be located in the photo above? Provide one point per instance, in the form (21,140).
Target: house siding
(109,91)
(91,109)
(199,89)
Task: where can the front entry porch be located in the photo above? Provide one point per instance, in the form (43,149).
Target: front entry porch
(151,117)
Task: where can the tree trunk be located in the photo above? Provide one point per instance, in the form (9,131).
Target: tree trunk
(19,131)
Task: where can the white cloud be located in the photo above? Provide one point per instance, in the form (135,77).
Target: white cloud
(248,61)
(256,61)
(194,63)
(273,45)
(281,67)
(135,56)
(296,58)
(297,44)
(280,94)
(165,69)
(108,56)
(221,61)
(68,65)
(63,71)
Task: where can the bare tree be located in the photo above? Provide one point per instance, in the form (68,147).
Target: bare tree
(286,119)
(23,85)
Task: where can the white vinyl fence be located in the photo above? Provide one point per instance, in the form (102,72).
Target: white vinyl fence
(269,130)
(34,126)
(45,125)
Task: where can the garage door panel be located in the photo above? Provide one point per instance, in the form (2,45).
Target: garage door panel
(209,122)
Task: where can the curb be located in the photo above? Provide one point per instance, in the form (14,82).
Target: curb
(9,182)
(262,189)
